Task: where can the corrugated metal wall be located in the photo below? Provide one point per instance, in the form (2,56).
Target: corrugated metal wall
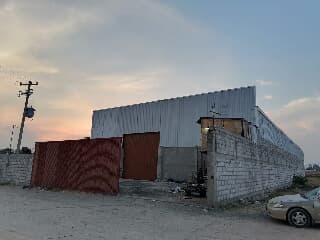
(176,118)
(82,165)
(269,131)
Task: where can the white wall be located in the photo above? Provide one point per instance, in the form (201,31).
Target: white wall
(243,169)
(16,168)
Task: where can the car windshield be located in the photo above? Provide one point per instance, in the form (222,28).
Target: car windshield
(312,194)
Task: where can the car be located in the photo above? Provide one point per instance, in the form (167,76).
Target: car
(300,210)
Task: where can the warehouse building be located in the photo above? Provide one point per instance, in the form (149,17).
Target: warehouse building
(166,139)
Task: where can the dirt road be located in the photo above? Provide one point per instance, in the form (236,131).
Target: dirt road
(34,214)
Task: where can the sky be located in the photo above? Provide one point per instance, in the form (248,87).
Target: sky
(89,55)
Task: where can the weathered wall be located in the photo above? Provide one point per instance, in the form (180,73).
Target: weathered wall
(243,169)
(177,164)
(16,168)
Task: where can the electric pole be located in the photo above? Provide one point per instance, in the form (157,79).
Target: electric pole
(213,114)
(26,111)
(11,138)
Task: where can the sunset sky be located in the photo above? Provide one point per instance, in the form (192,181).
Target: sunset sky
(89,55)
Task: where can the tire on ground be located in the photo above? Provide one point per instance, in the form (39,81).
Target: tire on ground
(295,213)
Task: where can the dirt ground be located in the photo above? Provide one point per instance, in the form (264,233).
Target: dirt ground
(313,181)
(35,214)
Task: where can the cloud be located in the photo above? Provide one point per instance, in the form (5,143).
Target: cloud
(268,97)
(264,82)
(302,103)
(32,28)
(27,65)
(126,83)
(98,54)
(300,119)
(302,113)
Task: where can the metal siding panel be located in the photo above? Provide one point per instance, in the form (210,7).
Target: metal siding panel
(270,132)
(169,128)
(109,125)
(174,118)
(133,119)
(121,119)
(227,104)
(190,110)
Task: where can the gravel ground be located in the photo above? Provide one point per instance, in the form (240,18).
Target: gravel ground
(34,214)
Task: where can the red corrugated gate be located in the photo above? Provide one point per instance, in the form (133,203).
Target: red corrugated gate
(81,165)
(141,156)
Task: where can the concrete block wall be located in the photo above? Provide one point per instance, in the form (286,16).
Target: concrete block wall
(177,163)
(243,169)
(15,169)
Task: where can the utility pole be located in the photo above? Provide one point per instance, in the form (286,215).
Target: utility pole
(28,92)
(213,114)
(11,138)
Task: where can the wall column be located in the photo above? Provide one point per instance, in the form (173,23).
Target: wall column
(211,169)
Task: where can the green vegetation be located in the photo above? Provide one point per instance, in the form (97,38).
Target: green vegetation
(299,181)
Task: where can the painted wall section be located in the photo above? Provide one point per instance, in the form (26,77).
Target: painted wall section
(177,164)
(243,169)
(15,169)
(175,118)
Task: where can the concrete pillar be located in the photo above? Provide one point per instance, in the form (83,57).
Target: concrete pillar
(195,157)
(211,169)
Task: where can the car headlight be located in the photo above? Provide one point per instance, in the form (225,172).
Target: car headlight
(278,205)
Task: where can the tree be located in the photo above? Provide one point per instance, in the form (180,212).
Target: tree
(25,150)
(316,167)
(313,167)
(6,151)
(310,167)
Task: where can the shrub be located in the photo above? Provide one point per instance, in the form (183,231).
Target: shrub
(299,181)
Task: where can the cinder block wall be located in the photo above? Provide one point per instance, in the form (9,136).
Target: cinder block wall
(177,163)
(16,168)
(243,169)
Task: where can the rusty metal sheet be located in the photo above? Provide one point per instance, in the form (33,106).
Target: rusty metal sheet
(141,156)
(78,165)
(38,166)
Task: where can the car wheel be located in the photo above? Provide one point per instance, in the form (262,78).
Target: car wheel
(299,218)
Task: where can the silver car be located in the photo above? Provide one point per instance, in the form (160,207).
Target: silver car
(301,210)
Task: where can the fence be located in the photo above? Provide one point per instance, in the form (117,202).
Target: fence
(81,165)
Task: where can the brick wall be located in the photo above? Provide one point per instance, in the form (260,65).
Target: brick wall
(243,169)
(15,168)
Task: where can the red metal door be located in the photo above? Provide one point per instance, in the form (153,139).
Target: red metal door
(141,156)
